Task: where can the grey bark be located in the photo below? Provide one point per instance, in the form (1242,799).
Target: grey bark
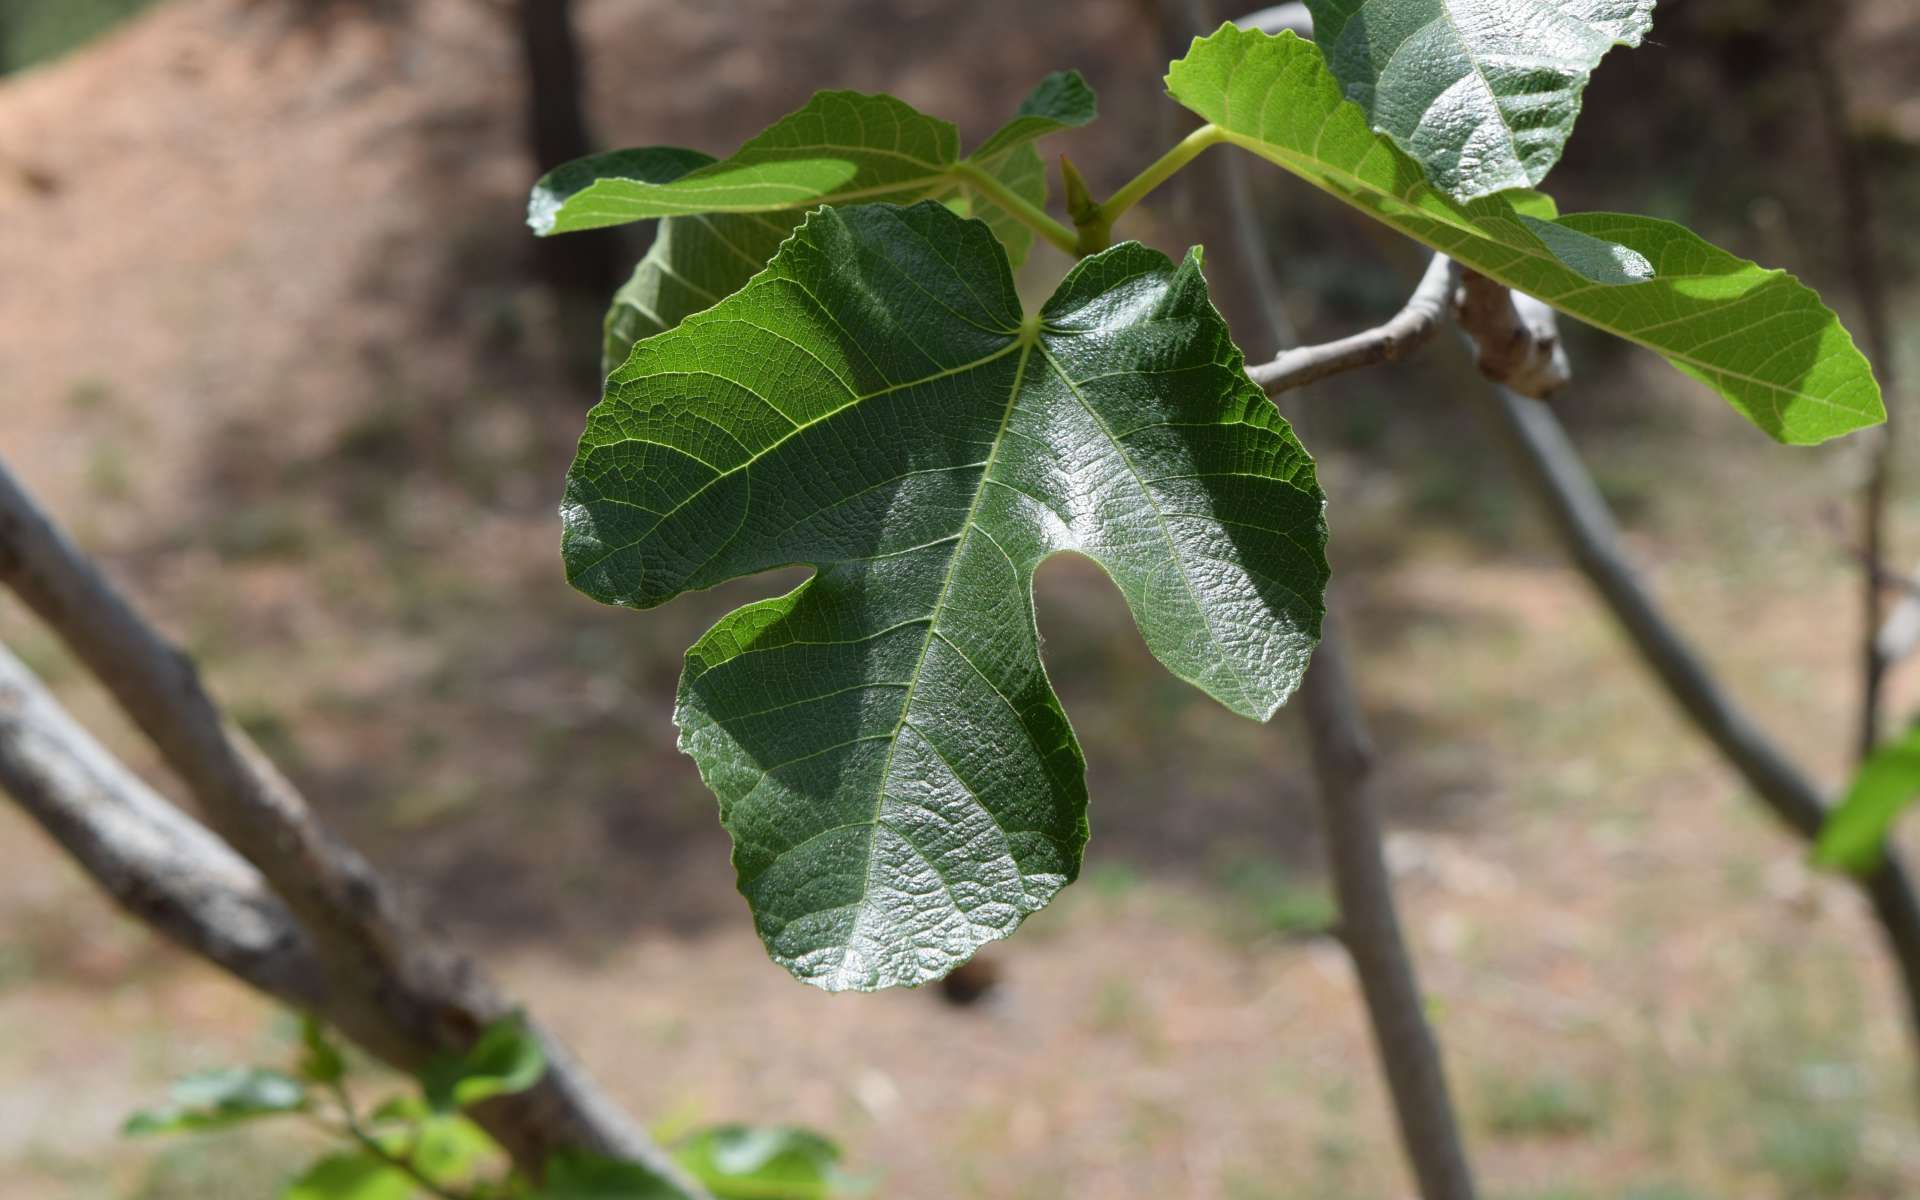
(393,985)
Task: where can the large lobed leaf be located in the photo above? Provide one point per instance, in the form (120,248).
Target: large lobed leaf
(1758,337)
(1482,93)
(898,777)
(714,245)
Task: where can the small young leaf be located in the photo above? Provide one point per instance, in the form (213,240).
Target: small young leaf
(740,1162)
(898,777)
(1855,835)
(218,1098)
(573,1175)
(1482,93)
(1758,337)
(1061,101)
(354,1175)
(320,1060)
(505,1058)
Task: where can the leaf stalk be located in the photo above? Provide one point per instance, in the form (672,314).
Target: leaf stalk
(1018,206)
(1096,227)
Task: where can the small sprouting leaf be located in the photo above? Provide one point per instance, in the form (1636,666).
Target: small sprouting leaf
(573,1175)
(741,1162)
(218,1098)
(1855,835)
(320,1060)
(899,780)
(1061,101)
(1760,338)
(353,1175)
(1481,93)
(505,1058)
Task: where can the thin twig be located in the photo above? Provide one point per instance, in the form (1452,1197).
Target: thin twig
(394,985)
(1416,324)
(1857,231)
(1409,1057)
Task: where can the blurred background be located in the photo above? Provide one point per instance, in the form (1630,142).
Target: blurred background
(276,345)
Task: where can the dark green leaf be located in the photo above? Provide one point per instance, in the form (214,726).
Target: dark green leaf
(578,1176)
(740,1162)
(1062,101)
(898,777)
(1482,93)
(1758,337)
(1855,835)
(505,1058)
(217,1098)
(355,1175)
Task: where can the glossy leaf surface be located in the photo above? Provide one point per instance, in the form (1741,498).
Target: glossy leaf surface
(899,780)
(1482,93)
(1758,337)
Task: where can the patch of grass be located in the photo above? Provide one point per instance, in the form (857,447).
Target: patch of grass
(259,531)
(1541,1106)
(1814,1157)
(1274,901)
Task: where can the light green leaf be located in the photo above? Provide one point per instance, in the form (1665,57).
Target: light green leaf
(1758,337)
(742,1162)
(899,780)
(505,1058)
(700,257)
(355,1175)
(218,1098)
(573,1175)
(1482,93)
(1061,101)
(694,262)
(1855,835)
(842,146)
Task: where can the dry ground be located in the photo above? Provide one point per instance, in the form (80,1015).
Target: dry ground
(268,346)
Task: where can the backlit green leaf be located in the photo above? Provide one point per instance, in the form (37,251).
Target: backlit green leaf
(899,780)
(1758,337)
(694,262)
(1855,835)
(1482,93)
(356,1175)
(699,257)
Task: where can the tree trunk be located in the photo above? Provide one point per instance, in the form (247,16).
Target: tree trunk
(586,265)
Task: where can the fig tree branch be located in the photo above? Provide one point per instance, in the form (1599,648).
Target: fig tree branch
(1552,470)
(1415,325)
(393,985)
